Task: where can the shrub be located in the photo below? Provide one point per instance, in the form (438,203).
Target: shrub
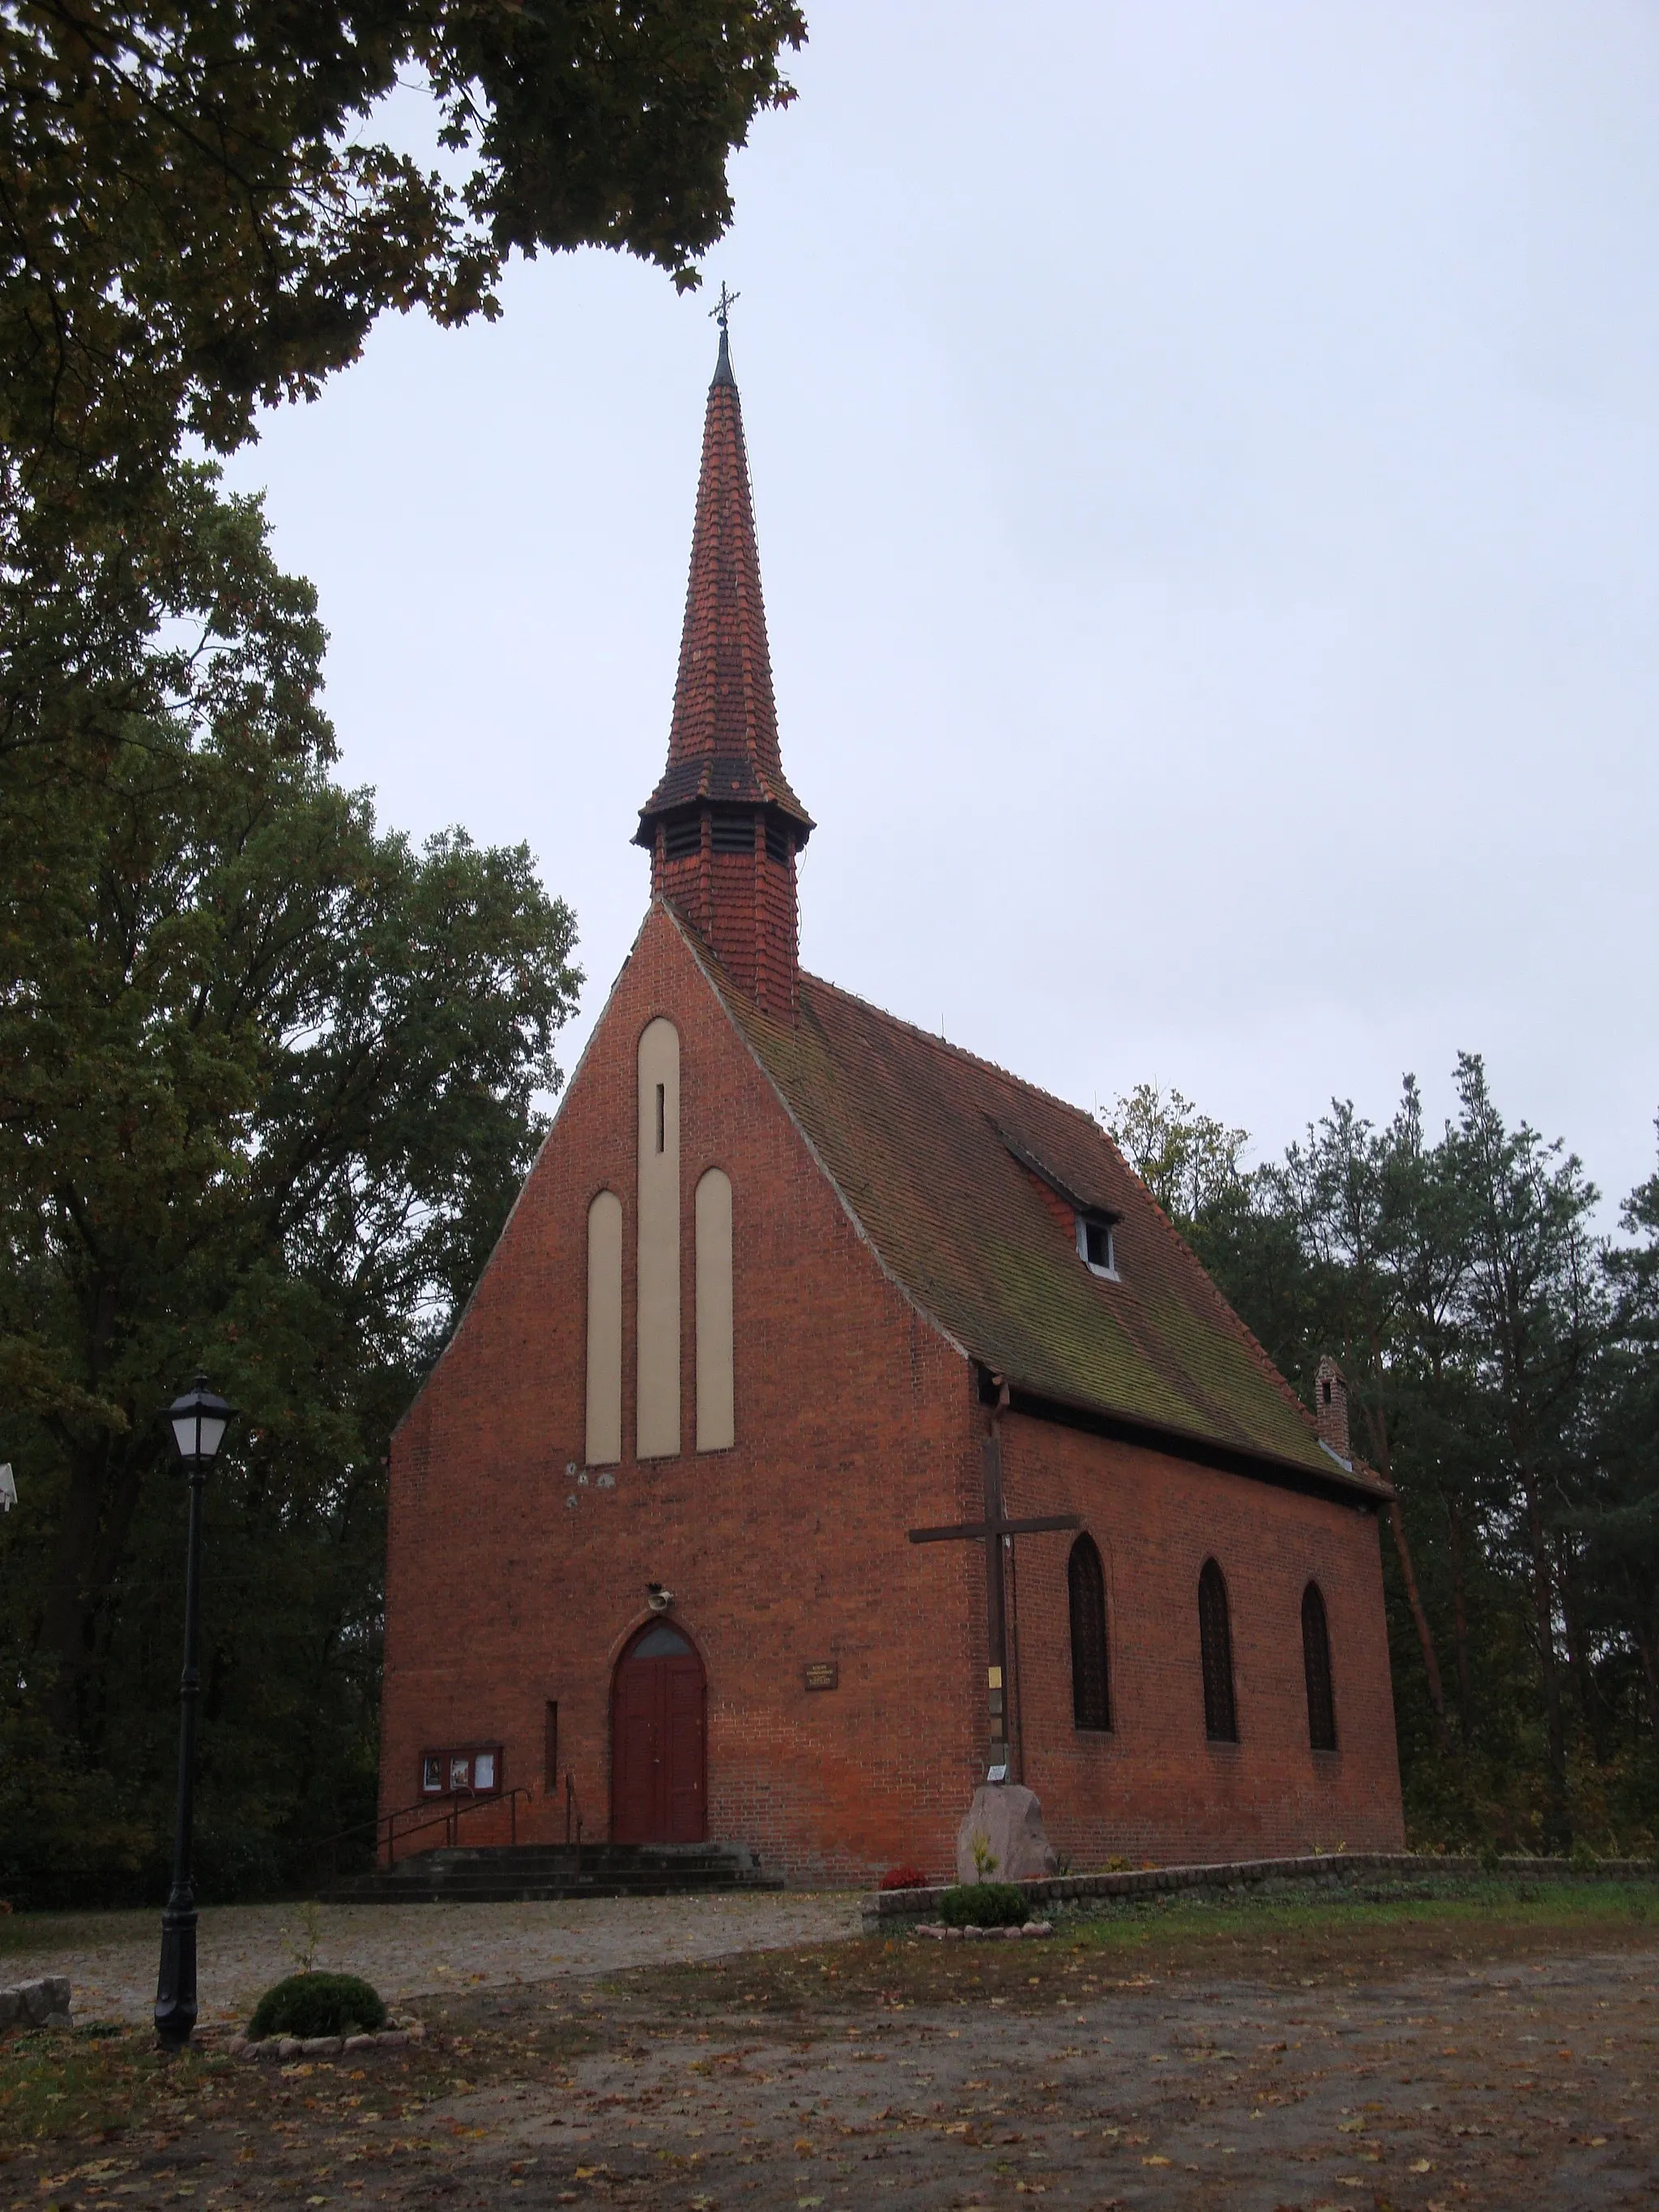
(984,1904)
(904,1877)
(317,2004)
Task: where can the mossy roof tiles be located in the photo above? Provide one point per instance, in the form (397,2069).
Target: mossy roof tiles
(916,1135)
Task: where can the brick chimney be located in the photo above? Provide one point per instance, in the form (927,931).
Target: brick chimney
(1331,1409)
(722,826)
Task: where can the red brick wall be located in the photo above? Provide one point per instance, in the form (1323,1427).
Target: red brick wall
(1154,1788)
(745,904)
(512,1581)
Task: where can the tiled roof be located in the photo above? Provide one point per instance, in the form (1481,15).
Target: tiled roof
(925,1143)
(724,742)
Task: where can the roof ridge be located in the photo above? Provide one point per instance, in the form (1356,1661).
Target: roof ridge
(957,1051)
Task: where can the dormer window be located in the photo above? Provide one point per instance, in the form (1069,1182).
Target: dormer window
(1094,1245)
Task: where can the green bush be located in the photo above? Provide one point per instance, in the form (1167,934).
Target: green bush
(317,2004)
(984,1904)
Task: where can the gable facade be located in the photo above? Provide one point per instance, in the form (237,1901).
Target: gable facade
(518,1570)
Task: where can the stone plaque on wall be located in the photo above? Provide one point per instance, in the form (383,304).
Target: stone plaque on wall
(821,1675)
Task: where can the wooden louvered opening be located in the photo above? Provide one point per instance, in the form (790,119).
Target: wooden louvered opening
(780,845)
(1317,1665)
(1091,1699)
(733,833)
(1215,1647)
(682,838)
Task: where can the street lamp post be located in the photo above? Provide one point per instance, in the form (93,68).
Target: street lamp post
(198,1421)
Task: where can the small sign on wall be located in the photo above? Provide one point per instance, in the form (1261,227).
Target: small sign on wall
(821,1675)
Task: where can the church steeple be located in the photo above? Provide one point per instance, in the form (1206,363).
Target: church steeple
(722,826)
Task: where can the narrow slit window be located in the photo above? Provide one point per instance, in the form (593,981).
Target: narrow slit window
(662,1116)
(1216,1650)
(1317,1667)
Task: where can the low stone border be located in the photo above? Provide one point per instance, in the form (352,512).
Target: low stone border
(1328,1867)
(941,1934)
(283,2048)
(41,2003)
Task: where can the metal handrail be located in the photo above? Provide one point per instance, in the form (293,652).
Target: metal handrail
(449,1819)
(384,1826)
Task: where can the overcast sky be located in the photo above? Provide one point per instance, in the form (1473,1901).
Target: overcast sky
(1206,460)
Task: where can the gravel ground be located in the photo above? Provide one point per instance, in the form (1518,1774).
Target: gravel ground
(880,2073)
(1511,2086)
(413,1951)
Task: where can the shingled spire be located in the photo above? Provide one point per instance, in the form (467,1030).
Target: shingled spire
(722,826)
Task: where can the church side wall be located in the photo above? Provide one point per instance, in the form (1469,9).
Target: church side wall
(1153,1788)
(516,1574)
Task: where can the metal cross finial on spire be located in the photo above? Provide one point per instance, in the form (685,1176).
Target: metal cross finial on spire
(721,310)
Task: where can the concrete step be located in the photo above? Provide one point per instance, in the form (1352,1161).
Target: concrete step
(535,1892)
(520,1873)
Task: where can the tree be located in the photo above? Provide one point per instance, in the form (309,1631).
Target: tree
(1618,1509)
(268,1084)
(199,217)
(1188,1161)
(267,1077)
(1532,1298)
(1358,1198)
(1504,1373)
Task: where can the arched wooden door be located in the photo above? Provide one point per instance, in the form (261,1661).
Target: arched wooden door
(658,1767)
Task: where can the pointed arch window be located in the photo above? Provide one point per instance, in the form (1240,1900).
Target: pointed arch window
(1317,1665)
(1215,1639)
(1091,1699)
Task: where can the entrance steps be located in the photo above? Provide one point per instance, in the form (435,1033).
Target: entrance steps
(519,1874)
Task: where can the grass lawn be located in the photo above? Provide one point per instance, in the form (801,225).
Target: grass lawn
(21,1933)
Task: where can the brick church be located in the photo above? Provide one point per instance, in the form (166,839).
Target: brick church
(839,1423)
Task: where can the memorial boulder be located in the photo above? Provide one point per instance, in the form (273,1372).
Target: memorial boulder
(1002,1838)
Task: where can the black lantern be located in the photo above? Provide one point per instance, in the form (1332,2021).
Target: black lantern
(197,1421)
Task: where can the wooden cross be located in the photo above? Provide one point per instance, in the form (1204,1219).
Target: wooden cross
(995,1531)
(723,306)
